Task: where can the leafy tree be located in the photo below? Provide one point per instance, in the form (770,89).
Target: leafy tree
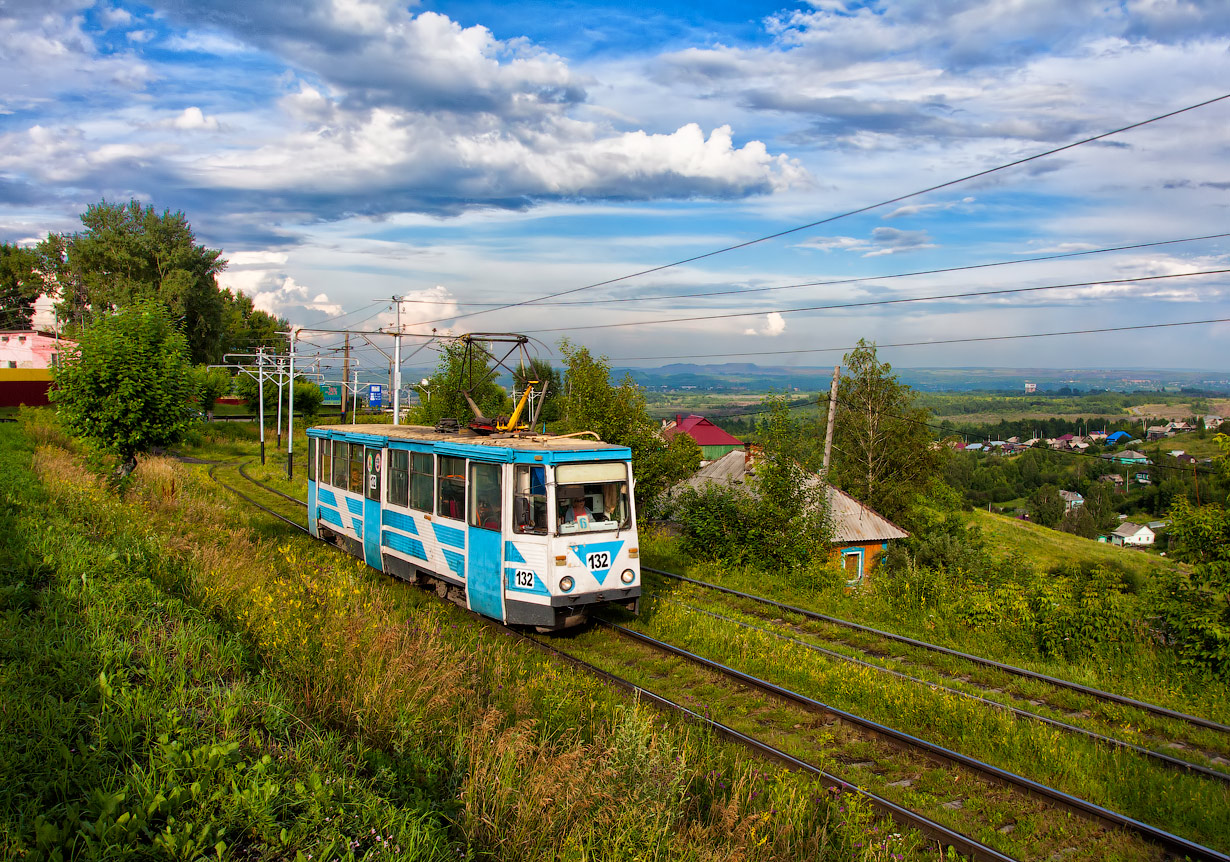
(128,254)
(618,415)
(1047,506)
(245,328)
(455,372)
(211,384)
(20,286)
(883,452)
(126,387)
(545,373)
(308,399)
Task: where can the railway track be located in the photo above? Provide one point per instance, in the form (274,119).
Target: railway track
(1166,844)
(873,648)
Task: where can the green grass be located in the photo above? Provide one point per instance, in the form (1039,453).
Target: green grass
(180,639)
(1051,549)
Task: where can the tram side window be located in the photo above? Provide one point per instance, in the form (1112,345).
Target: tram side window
(356,468)
(529,499)
(399,478)
(341,464)
(421,480)
(311,453)
(485,495)
(326,461)
(451,496)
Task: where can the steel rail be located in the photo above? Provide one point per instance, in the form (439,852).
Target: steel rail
(1170,842)
(269,488)
(248,499)
(1165,759)
(945,836)
(986,662)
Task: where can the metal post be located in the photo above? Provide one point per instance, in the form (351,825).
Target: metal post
(290,419)
(397,366)
(828,432)
(345,376)
(260,396)
(354,398)
(279,367)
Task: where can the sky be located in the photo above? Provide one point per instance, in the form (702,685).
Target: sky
(475,157)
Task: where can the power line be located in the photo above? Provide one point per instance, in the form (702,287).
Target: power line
(837,281)
(927,343)
(852,212)
(871,302)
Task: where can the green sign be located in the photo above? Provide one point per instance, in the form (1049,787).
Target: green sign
(332,393)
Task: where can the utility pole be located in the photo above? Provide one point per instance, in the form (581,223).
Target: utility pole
(828,431)
(396,383)
(345,376)
(290,420)
(260,396)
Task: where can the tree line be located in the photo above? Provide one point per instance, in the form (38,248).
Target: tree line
(126,255)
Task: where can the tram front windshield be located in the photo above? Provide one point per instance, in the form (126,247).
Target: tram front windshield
(592,498)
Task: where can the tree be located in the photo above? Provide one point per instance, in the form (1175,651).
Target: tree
(211,384)
(883,451)
(129,254)
(618,415)
(126,387)
(542,371)
(20,286)
(1047,506)
(457,370)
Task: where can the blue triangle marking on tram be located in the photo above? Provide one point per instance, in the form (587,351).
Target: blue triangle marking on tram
(598,557)
(511,554)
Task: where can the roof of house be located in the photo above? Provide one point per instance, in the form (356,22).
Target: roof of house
(852,521)
(1117,436)
(700,429)
(1130,453)
(1127,529)
(1070,496)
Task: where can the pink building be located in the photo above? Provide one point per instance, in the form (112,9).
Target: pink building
(26,359)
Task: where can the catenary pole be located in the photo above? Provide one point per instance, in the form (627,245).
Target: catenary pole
(260,396)
(290,419)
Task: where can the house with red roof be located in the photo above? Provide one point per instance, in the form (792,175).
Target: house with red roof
(712,440)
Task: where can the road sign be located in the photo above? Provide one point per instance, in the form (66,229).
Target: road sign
(375,395)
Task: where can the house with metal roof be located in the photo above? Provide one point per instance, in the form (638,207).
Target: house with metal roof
(712,440)
(860,534)
(1136,535)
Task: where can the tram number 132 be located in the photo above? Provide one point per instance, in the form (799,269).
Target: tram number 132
(598,560)
(525,578)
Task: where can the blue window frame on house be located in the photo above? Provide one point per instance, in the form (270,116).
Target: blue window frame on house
(852,565)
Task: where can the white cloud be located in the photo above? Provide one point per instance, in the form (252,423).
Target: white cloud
(193,119)
(774,325)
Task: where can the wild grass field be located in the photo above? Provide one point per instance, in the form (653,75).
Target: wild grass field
(184,678)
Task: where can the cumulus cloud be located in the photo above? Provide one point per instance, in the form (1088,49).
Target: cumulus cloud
(193,119)
(774,325)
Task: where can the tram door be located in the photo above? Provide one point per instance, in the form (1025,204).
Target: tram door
(371,508)
(484,546)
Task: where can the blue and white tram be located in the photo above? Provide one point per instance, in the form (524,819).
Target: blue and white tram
(526,530)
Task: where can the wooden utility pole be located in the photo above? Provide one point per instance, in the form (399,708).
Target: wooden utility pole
(828,431)
(345,376)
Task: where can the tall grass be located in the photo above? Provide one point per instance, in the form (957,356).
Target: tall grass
(512,755)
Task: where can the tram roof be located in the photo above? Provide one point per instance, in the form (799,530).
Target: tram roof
(427,434)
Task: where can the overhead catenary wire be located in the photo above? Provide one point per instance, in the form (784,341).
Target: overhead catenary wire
(849,213)
(739,291)
(938,341)
(874,302)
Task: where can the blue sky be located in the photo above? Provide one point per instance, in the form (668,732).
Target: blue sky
(341,152)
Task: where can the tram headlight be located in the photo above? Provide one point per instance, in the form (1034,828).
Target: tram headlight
(628,576)
(566,583)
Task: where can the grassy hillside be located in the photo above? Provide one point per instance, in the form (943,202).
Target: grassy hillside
(1050,549)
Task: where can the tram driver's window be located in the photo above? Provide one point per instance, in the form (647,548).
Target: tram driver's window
(311,453)
(451,488)
(529,499)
